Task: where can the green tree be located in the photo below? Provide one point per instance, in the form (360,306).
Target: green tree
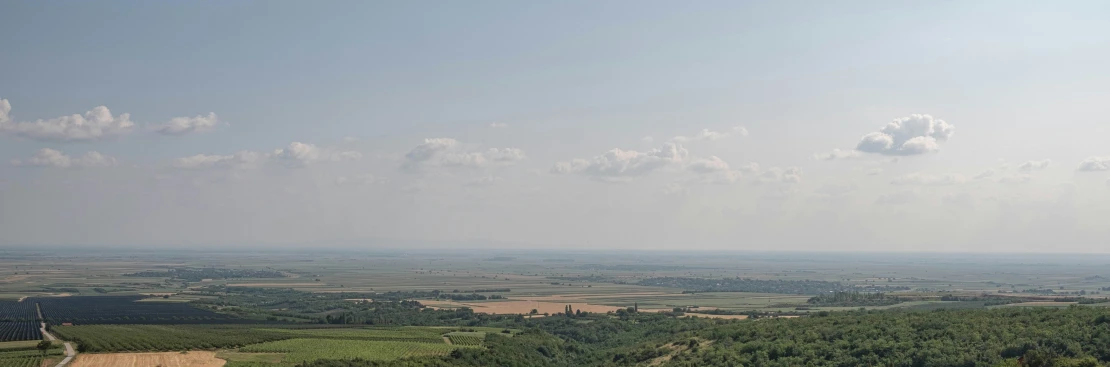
(43,346)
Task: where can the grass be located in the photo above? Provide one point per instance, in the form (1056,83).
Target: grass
(18,345)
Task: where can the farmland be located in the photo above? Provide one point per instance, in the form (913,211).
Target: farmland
(300,350)
(123,310)
(279,310)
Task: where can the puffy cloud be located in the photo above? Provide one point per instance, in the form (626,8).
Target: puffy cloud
(707,134)
(714,170)
(463,159)
(708,165)
(498,125)
(788,175)
(647,140)
(52,158)
(929,180)
(429,149)
(96,124)
(481,159)
(365,179)
(911,135)
(188,125)
(443,148)
(296,154)
(1029,166)
(836,154)
(1095,164)
(623,163)
(874,172)
(5,109)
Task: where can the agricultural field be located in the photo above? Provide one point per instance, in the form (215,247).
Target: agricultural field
(22,330)
(168,359)
(301,350)
(25,354)
(124,310)
(284,309)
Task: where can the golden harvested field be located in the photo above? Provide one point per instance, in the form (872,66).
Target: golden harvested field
(168,359)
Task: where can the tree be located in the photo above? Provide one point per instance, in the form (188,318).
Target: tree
(43,346)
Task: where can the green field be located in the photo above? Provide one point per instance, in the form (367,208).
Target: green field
(299,350)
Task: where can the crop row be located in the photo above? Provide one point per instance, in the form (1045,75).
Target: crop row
(134,338)
(301,350)
(124,310)
(22,330)
(33,361)
(17,311)
(465,340)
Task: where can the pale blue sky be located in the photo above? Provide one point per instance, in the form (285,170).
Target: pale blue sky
(1020,81)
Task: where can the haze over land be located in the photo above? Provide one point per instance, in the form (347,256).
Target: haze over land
(965,126)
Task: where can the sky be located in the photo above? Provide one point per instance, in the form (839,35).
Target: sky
(964,126)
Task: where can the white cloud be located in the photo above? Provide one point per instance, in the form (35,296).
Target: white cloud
(836,154)
(444,149)
(296,154)
(707,134)
(714,170)
(788,175)
(96,124)
(498,125)
(910,135)
(874,172)
(647,140)
(47,157)
(1095,164)
(350,139)
(505,154)
(481,159)
(929,180)
(708,165)
(188,125)
(623,163)
(429,149)
(5,109)
(365,179)
(1030,166)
